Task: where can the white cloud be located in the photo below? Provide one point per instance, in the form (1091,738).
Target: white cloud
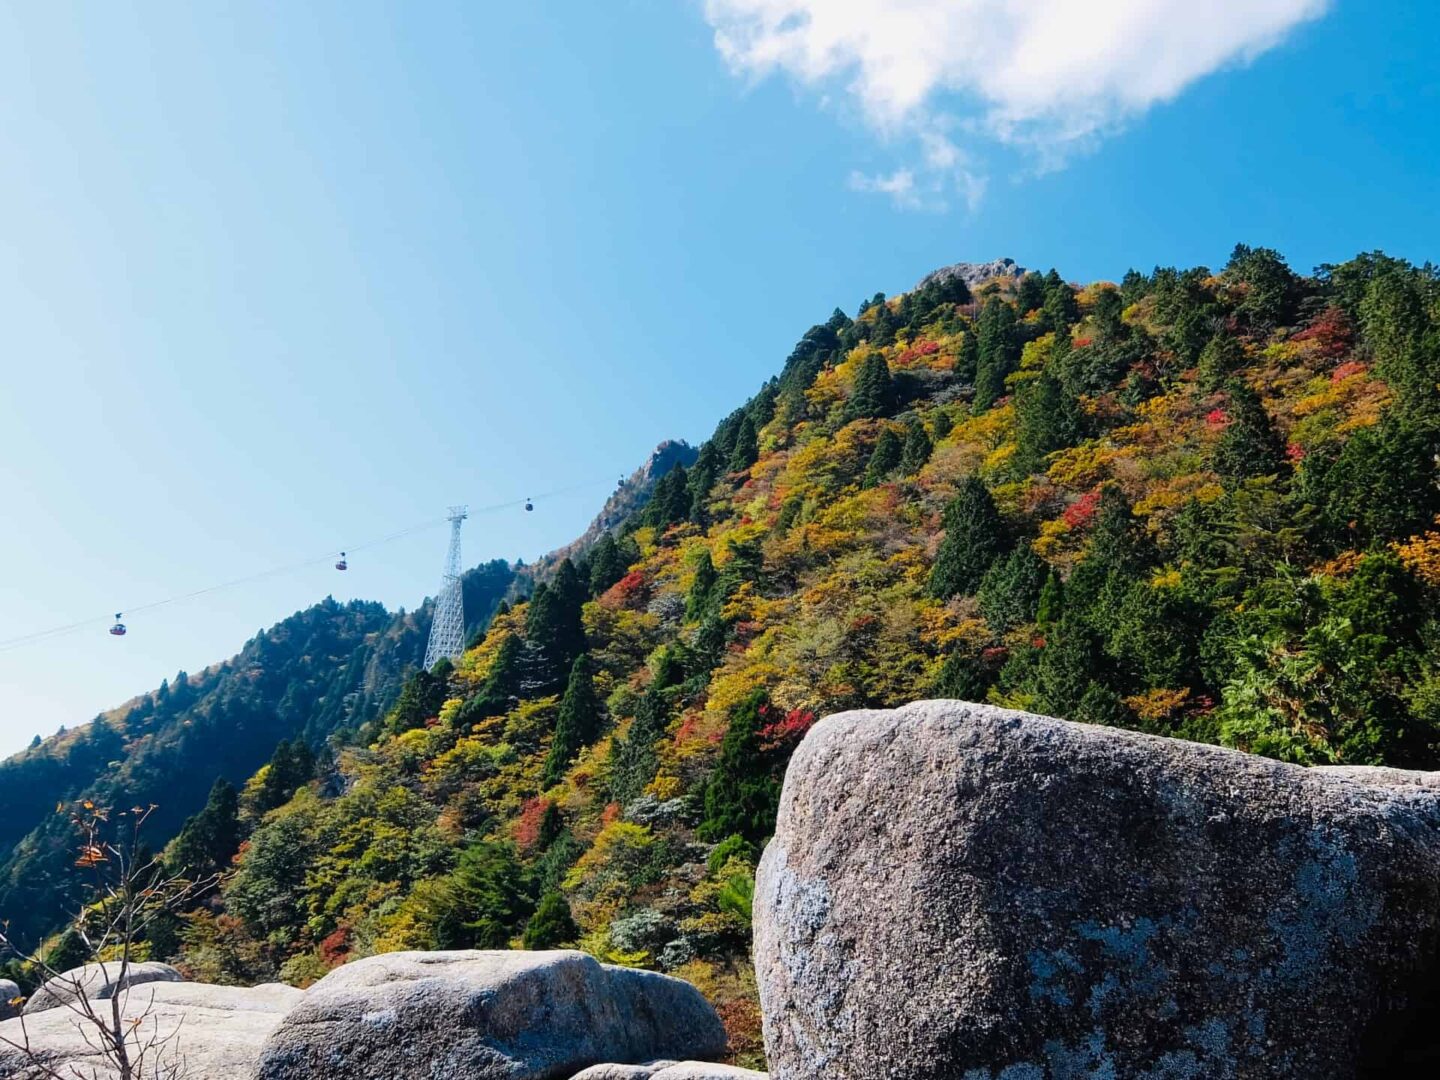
(899,185)
(1049,76)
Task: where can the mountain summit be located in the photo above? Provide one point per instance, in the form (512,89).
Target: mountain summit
(974,274)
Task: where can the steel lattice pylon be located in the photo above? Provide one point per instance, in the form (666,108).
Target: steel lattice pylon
(447,632)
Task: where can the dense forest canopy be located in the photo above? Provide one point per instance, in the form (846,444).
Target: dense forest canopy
(1194,503)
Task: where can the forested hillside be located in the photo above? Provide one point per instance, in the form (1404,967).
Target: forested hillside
(317,675)
(1193,503)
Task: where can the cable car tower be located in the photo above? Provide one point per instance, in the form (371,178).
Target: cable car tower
(447,631)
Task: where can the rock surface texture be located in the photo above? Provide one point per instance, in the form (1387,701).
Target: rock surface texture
(98,981)
(486,1016)
(974,274)
(669,1070)
(8,993)
(962,892)
(205,1032)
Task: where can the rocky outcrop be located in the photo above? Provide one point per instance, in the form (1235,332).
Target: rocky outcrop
(632,493)
(98,982)
(958,892)
(486,1016)
(8,992)
(974,274)
(669,1070)
(215,1031)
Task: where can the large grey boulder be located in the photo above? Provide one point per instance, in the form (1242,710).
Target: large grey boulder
(622,1072)
(669,1070)
(486,1016)
(8,993)
(98,982)
(959,892)
(206,1032)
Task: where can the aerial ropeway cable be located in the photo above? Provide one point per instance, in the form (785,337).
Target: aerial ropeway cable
(118,628)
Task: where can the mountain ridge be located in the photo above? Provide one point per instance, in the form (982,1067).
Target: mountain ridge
(1194,503)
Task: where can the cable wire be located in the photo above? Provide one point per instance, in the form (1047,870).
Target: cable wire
(8,644)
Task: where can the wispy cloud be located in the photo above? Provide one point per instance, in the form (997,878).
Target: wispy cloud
(1049,77)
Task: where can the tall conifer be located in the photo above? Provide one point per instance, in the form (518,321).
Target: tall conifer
(578,724)
(872,394)
(884,459)
(998,351)
(975,536)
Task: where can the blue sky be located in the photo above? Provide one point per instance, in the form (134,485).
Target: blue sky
(279,279)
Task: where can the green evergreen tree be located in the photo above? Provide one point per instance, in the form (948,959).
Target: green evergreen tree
(746,450)
(670,500)
(967,361)
(485,901)
(1118,554)
(1271,287)
(1185,305)
(1030,295)
(917,448)
(421,696)
(209,839)
(1134,286)
(884,459)
(884,327)
(1064,670)
(701,479)
(708,647)
(1404,339)
(1382,485)
(873,393)
(1153,637)
(964,676)
(975,536)
(702,587)
(743,794)
(1219,359)
(553,628)
(1108,313)
(1102,706)
(732,847)
(1250,445)
(1052,601)
(552,825)
(578,724)
(1010,591)
(670,663)
(552,924)
(1061,310)
(998,347)
(633,761)
(609,562)
(291,766)
(501,688)
(942,425)
(1047,419)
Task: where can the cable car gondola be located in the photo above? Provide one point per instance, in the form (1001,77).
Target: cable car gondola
(340,563)
(119,628)
(528,505)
